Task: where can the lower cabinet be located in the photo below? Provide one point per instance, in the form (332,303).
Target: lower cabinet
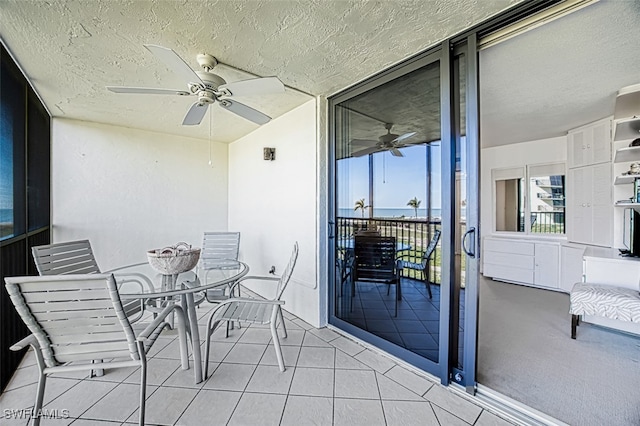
(524,262)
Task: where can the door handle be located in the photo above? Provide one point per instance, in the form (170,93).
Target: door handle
(471,231)
(331,233)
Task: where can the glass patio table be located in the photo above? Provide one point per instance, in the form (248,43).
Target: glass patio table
(158,286)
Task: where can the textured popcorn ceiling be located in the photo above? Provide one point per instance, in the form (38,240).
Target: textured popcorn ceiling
(561,75)
(71,50)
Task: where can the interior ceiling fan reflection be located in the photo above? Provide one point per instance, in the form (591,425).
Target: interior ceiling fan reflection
(208,87)
(388,142)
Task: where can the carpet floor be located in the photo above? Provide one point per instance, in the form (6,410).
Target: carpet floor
(526,353)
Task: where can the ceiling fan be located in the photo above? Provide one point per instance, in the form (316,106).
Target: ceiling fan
(389,141)
(208,87)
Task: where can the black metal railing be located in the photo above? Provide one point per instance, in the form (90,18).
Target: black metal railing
(548,222)
(415,234)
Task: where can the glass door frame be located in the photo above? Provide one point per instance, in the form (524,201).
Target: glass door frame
(471,239)
(444,54)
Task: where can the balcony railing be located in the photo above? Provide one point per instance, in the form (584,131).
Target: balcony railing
(546,222)
(414,233)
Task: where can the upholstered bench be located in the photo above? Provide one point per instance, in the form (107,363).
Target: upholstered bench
(604,301)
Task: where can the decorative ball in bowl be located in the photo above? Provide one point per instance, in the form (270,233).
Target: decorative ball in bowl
(174,259)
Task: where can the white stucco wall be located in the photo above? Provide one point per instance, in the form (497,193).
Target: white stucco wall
(129,190)
(274,204)
(544,151)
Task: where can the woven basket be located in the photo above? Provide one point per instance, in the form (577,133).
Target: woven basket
(174,259)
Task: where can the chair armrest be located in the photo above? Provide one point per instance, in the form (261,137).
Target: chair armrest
(254,301)
(131,277)
(253,277)
(410,257)
(29,340)
(144,335)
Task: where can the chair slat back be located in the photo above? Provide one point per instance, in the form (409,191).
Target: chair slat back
(374,258)
(220,245)
(431,247)
(288,271)
(72,257)
(74,317)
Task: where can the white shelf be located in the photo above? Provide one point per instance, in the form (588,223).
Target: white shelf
(628,128)
(631,153)
(624,179)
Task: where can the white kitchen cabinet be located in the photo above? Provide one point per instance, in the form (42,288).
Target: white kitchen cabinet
(590,144)
(521,261)
(589,205)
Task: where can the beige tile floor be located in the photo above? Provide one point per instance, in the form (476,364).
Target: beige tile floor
(329,380)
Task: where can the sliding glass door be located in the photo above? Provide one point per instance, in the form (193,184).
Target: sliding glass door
(401,169)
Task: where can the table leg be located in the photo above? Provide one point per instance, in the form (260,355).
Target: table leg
(195,335)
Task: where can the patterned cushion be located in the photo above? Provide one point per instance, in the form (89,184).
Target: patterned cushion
(605,301)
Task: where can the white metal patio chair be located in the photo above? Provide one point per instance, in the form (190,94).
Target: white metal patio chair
(217,249)
(423,264)
(76,319)
(76,257)
(254,311)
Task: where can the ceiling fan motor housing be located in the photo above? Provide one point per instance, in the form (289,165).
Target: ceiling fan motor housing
(211,80)
(388,138)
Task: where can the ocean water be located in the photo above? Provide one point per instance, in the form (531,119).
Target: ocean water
(6,215)
(388,212)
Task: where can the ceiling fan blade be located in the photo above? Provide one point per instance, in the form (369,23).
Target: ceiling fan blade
(403,137)
(195,114)
(254,86)
(396,152)
(365,151)
(174,62)
(147,90)
(245,111)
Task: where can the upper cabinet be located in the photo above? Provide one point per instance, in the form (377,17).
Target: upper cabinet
(589,189)
(590,144)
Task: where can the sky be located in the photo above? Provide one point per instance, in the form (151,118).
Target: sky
(396,179)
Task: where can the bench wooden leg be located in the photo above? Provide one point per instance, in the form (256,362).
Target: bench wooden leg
(575,321)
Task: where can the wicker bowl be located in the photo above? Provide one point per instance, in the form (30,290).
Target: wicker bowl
(174,259)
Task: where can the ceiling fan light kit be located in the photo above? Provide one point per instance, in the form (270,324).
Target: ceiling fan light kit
(210,88)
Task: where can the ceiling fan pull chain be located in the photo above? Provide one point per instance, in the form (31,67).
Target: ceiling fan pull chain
(210,124)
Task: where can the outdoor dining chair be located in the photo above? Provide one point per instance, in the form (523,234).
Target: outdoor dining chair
(217,248)
(76,319)
(374,261)
(76,257)
(423,264)
(254,311)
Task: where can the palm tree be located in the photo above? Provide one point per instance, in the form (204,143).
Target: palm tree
(414,203)
(360,205)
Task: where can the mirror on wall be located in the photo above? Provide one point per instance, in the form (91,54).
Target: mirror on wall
(509,205)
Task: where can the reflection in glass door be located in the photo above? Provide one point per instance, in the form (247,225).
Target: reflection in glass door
(400,173)
(388,184)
